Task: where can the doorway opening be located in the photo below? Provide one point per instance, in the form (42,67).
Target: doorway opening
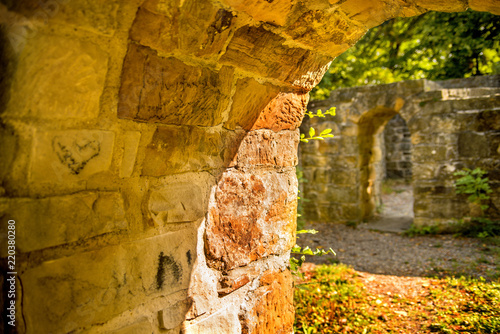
(385,170)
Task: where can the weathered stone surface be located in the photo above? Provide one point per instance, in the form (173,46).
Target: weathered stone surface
(268,148)
(143,327)
(226,320)
(274,12)
(165,90)
(176,149)
(262,52)
(249,101)
(472,144)
(87,288)
(176,199)
(443,5)
(451,126)
(485,6)
(68,158)
(252,216)
(95,16)
(334,31)
(168,27)
(284,112)
(9,141)
(130,145)
(173,316)
(59,220)
(54,94)
(273,311)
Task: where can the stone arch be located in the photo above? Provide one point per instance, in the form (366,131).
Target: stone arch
(370,126)
(440,117)
(117,113)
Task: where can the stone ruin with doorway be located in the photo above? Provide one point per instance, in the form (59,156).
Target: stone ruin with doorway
(432,129)
(149,149)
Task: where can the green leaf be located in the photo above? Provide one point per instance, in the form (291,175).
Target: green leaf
(312,132)
(307,231)
(325,132)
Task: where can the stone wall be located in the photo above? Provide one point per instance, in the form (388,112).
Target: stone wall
(148,156)
(452,124)
(397,145)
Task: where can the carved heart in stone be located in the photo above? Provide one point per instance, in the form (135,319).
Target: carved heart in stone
(75,153)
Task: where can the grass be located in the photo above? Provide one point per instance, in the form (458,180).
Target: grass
(333,299)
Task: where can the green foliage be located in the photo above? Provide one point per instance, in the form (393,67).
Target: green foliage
(421,230)
(328,303)
(312,132)
(478,227)
(474,184)
(436,46)
(296,263)
(333,300)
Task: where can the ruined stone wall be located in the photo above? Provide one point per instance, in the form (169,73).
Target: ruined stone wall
(453,124)
(397,145)
(148,153)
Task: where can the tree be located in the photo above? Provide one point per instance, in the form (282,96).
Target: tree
(435,45)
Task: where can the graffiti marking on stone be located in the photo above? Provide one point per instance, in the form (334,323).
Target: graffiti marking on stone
(76,153)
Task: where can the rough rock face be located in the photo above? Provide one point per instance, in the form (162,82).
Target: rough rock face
(148,153)
(452,124)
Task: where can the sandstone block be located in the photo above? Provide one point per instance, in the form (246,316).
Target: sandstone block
(269,148)
(68,158)
(225,320)
(273,311)
(262,52)
(143,327)
(176,202)
(443,5)
(473,144)
(333,31)
(284,112)
(176,149)
(130,145)
(274,12)
(95,16)
(249,101)
(429,153)
(168,27)
(73,93)
(58,220)
(373,13)
(165,90)
(173,316)
(485,6)
(342,194)
(10,148)
(65,294)
(253,215)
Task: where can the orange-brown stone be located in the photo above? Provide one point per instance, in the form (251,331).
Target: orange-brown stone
(249,100)
(245,222)
(284,112)
(268,148)
(273,310)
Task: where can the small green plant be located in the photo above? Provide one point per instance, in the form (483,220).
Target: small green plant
(312,132)
(475,185)
(421,230)
(296,263)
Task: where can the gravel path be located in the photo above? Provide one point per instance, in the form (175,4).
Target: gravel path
(395,254)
